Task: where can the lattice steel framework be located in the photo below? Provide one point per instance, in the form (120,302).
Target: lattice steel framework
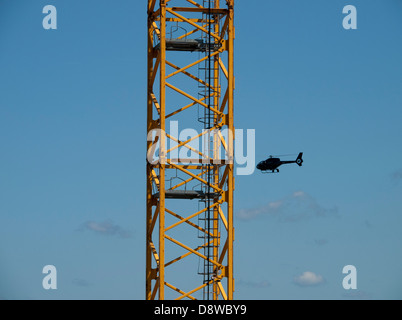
(190,61)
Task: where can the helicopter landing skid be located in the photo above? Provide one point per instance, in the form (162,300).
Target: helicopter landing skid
(276,171)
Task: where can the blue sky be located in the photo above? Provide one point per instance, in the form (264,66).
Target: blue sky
(73,130)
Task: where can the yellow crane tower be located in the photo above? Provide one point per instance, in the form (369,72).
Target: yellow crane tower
(190,198)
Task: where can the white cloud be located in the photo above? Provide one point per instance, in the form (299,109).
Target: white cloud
(295,207)
(299,194)
(275,205)
(397,176)
(106,228)
(308,279)
(321,242)
(81,282)
(99,227)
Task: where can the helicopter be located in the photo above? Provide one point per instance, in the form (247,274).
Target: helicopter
(272,164)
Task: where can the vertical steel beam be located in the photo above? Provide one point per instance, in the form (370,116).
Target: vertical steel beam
(150,37)
(231,85)
(162,151)
(216,150)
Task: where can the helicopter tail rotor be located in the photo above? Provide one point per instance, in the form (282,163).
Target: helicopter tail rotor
(299,159)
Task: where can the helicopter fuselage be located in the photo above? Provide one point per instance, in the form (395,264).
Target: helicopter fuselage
(272,164)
